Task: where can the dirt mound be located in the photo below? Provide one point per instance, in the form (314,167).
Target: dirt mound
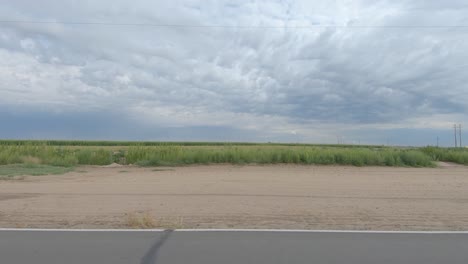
(443,164)
(113,165)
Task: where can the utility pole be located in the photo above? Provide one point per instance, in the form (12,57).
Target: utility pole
(437,141)
(455,129)
(459,135)
(340,140)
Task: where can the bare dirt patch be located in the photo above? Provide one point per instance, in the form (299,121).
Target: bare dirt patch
(444,164)
(303,197)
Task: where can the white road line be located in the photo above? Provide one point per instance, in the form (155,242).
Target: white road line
(80,230)
(235,230)
(320,231)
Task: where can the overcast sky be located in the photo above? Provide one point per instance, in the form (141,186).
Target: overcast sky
(375,72)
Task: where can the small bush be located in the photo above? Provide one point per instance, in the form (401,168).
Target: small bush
(94,157)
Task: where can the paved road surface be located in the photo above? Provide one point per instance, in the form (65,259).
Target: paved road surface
(42,247)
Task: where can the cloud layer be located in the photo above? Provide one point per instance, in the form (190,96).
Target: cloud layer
(361,69)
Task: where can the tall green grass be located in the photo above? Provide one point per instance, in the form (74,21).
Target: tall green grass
(40,154)
(456,155)
(171,155)
(155,156)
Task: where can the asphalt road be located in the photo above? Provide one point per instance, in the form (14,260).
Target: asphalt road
(42,247)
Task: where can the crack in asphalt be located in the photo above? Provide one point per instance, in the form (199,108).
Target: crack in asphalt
(151,254)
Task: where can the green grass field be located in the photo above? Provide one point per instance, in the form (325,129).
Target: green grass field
(72,153)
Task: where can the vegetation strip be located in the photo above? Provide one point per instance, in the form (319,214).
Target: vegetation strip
(12,170)
(68,155)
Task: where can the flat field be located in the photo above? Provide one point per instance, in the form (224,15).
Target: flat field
(241,196)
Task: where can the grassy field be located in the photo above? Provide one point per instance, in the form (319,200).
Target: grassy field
(71,153)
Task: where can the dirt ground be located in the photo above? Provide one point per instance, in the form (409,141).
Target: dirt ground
(280,196)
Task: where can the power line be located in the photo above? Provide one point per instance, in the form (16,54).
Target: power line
(85,23)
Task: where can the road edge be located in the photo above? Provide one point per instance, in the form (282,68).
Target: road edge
(234,230)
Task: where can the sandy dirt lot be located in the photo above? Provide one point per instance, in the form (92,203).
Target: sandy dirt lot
(296,197)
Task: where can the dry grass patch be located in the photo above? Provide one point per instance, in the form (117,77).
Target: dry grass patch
(17,170)
(20,225)
(162,170)
(30,160)
(12,178)
(147,221)
(141,221)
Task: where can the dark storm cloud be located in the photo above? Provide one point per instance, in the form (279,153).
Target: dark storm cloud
(280,81)
(108,126)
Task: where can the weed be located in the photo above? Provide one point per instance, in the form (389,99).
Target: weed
(141,221)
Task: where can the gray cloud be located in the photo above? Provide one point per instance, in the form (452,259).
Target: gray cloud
(277,81)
